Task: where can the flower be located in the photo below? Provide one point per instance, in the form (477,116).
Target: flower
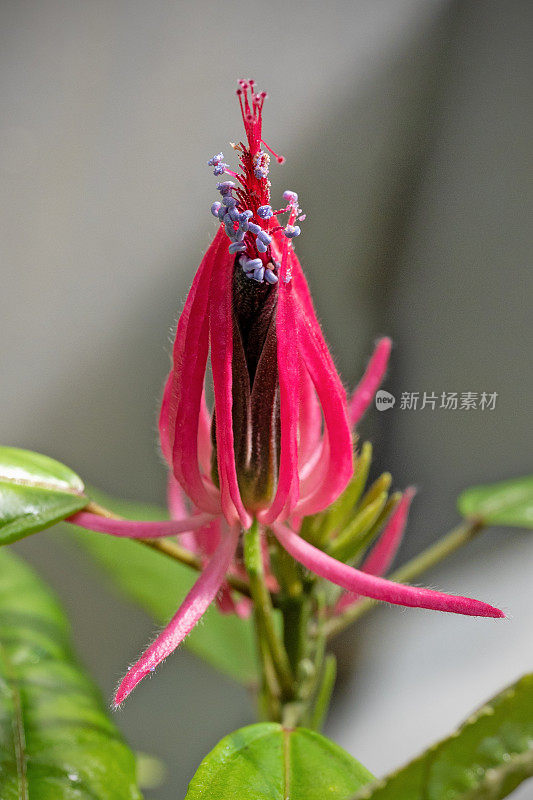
(278,445)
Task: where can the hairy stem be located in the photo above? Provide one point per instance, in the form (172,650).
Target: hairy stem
(449,543)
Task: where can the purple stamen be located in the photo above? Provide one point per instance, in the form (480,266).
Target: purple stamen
(215,161)
(291,231)
(215,209)
(236,247)
(261,247)
(270,277)
(220,169)
(290,197)
(265,212)
(225,187)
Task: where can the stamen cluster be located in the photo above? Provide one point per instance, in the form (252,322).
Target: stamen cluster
(249,220)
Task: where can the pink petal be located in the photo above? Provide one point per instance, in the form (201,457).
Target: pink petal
(175,498)
(379,588)
(180,411)
(370,382)
(383,553)
(205,445)
(288,376)
(335,461)
(221,330)
(167,417)
(192,609)
(309,423)
(133,529)
(177,509)
(335,467)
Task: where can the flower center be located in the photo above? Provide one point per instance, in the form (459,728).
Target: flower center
(250,222)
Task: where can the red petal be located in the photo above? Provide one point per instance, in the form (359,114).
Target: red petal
(192,609)
(379,588)
(370,382)
(335,467)
(180,412)
(288,375)
(221,330)
(133,529)
(382,554)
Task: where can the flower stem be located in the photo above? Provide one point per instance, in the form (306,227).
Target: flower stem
(449,543)
(173,550)
(264,611)
(325,690)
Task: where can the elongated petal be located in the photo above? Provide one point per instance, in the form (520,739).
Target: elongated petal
(180,412)
(177,509)
(335,467)
(286,495)
(133,529)
(221,333)
(205,445)
(370,382)
(192,609)
(175,498)
(166,420)
(379,588)
(382,554)
(309,423)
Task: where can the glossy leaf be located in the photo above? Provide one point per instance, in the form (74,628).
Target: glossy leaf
(486,759)
(506,503)
(56,742)
(159,584)
(268,762)
(35,492)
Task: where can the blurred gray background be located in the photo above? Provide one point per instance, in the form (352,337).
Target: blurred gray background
(406,125)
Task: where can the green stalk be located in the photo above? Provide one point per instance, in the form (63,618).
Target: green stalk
(325,690)
(458,537)
(264,612)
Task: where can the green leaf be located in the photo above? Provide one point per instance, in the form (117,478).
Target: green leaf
(506,503)
(486,759)
(35,492)
(159,584)
(268,762)
(56,742)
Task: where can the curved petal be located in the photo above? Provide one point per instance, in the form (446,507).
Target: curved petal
(370,382)
(382,554)
(287,490)
(180,412)
(177,509)
(309,423)
(221,333)
(175,498)
(205,446)
(335,467)
(191,610)
(379,588)
(143,529)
